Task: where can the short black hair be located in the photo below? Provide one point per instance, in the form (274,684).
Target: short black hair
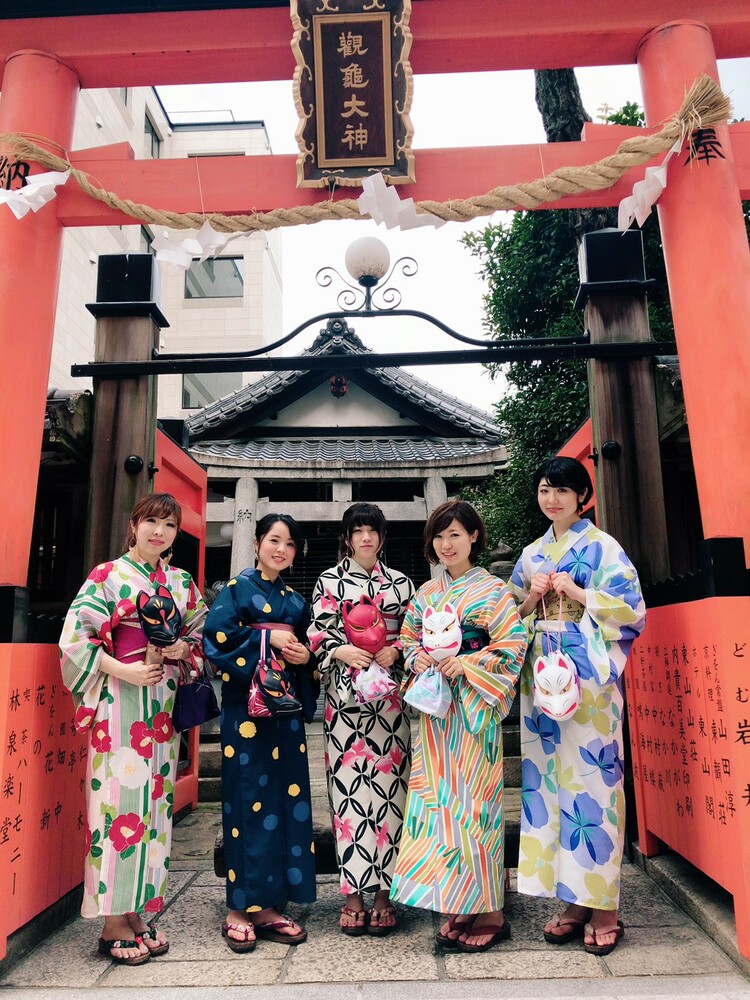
(560,471)
(267,522)
(441,517)
(361,515)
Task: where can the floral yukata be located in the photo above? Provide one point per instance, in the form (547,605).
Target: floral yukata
(367,747)
(452,850)
(265,782)
(133,748)
(573,814)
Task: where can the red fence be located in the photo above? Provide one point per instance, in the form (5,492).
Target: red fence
(688,693)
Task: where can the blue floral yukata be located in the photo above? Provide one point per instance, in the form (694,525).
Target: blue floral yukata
(573,805)
(267,819)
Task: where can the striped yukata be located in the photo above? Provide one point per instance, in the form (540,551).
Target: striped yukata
(452,848)
(132,753)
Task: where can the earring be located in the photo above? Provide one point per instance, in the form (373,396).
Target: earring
(291,567)
(131,541)
(166,556)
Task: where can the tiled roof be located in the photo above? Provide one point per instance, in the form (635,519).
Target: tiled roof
(376,450)
(338,337)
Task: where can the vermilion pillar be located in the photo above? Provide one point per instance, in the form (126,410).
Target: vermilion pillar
(39,95)
(708,267)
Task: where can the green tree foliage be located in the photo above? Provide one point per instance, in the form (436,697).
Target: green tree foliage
(531,267)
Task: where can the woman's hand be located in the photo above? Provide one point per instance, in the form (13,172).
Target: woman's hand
(451,668)
(352,656)
(563,583)
(386,657)
(179,650)
(279,637)
(423,661)
(295,653)
(139,673)
(538,587)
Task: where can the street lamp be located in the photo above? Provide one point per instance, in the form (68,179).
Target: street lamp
(367,260)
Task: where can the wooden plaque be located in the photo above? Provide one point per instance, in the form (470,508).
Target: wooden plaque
(352,89)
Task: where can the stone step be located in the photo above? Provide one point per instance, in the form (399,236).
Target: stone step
(210,753)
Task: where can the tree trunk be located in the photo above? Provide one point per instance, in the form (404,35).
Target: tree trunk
(563,114)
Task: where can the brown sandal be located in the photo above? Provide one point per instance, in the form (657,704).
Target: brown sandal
(495,933)
(359,927)
(270,930)
(454,924)
(575,929)
(246,944)
(603,949)
(378,929)
(107,947)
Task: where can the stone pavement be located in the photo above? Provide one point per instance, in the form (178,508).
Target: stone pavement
(664,952)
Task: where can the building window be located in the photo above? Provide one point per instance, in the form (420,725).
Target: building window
(216,278)
(153,139)
(202,389)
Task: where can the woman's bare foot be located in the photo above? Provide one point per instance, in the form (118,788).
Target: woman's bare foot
(269,916)
(117,928)
(351,910)
(382,916)
(598,920)
(561,924)
(240,927)
(155,940)
(474,936)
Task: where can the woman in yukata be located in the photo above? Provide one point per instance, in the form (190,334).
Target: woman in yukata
(573,816)
(267,819)
(367,745)
(452,850)
(125,706)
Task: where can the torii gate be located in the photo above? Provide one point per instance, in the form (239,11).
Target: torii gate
(46,60)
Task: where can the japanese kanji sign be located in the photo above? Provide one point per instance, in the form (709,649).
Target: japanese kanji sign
(352,88)
(688,695)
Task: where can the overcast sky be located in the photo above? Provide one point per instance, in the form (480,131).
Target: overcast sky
(468,109)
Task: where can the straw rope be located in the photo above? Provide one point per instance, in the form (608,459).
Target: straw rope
(704,105)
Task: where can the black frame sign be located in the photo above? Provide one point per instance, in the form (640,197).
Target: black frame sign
(352,88)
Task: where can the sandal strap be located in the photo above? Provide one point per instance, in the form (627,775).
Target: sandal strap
(275,925)
(486,930)
(560,921)
(349,912)
(245,928)
(116,943)
(595,932)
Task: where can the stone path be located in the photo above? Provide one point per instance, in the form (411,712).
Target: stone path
(664,952)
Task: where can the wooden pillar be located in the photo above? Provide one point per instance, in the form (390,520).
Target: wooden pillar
(124,425)
(625,428)
(39,98)
(708,268)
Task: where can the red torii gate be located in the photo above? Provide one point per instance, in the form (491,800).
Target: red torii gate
(47,60)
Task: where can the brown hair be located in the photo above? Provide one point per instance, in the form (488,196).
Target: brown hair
(441,517)
(152,505)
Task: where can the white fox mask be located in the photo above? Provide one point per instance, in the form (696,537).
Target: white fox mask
(557,689)
(441,633)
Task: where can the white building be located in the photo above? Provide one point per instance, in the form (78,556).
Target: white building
(232,302)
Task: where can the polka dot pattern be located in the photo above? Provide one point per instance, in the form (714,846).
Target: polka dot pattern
(293,790)
(221,637)
(248,729)
(229,751)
